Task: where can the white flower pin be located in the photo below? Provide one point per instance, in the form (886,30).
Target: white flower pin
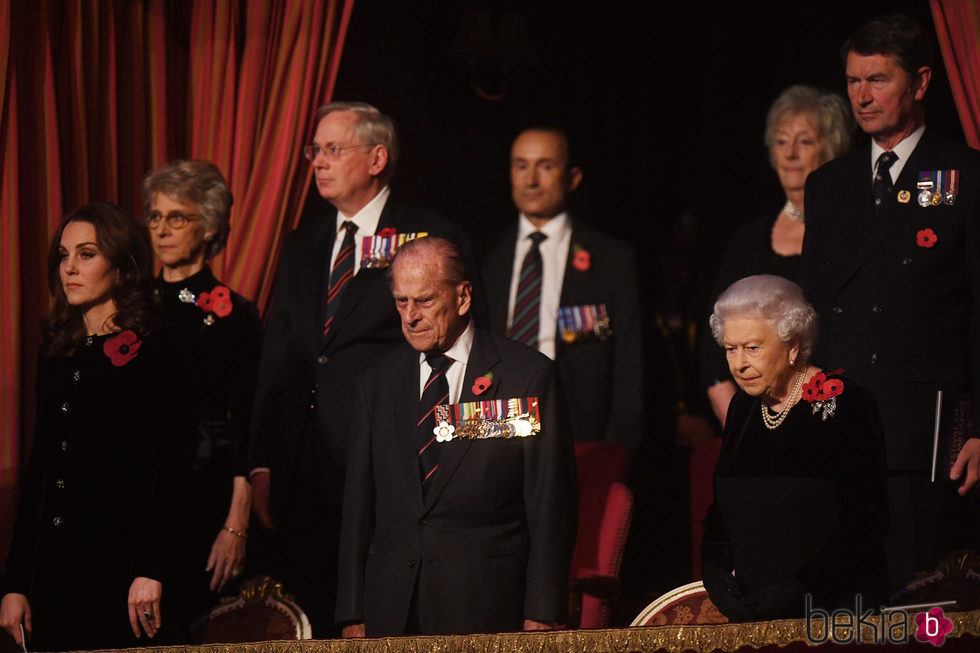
(444,431)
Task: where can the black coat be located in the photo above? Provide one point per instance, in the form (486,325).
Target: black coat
(901,319)
(306,376)
(491,543)
(220,353)
(806,501)
(96,503)
(603,380)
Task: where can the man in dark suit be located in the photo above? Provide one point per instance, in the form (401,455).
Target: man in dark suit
(891,261)
(459,535)
(331,317)
(569,291)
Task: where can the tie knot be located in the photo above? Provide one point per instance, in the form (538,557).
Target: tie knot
(349,227)
(886,160)
(438,362)
(536,237)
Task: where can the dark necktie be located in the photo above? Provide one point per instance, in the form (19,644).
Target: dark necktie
(436,392)
(343,272)
(527,304)
(883,179)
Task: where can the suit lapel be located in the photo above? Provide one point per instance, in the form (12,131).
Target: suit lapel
(313,276)
(893,214)
(497,280)
(404,409)
(483,358)
(575,283)
(357,286)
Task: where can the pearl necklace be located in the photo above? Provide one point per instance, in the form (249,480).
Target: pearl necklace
(772,423)
(793,213)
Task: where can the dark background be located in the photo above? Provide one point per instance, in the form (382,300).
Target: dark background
(665,102)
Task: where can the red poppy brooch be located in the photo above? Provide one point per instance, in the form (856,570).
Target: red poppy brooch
(926,238)
(822,393)
(122,348)
(581,259)
(387,232)
(218,301)
(481,384)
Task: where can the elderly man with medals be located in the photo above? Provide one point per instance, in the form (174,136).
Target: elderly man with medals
(459,507)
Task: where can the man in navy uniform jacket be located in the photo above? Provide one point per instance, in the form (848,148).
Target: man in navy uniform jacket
(891,261)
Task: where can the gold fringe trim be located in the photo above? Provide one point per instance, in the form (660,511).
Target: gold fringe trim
(675,639)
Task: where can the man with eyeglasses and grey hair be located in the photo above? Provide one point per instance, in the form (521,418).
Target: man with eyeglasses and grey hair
(331,318)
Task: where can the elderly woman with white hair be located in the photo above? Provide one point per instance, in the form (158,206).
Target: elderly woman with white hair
(800,501)
(805,128)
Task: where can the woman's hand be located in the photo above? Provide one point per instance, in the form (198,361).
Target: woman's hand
(228,551)
(14,612)
(144,606)
(226,559)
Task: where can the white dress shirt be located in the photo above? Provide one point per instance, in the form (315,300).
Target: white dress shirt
(554,255)
(459,353)
(367,223)
(903,151)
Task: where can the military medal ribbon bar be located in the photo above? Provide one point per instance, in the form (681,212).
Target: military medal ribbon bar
(576,323)
(938,187)
(492,418)
(378,251)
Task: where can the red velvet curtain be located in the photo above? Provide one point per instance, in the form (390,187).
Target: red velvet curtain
(95,93)
(958,30)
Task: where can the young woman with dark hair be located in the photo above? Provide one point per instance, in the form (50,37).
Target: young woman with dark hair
(95,513)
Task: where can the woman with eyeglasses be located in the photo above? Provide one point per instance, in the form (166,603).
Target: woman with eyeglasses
(187,206)
(96,500)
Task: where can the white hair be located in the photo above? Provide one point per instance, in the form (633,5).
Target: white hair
(778,301)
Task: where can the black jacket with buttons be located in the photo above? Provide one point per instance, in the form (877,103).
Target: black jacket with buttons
(900,316)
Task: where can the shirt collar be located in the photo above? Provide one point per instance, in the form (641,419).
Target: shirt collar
(903,150)
(555,229)
(460,351)
(368,217)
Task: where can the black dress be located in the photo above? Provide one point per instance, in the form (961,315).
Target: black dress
(96,499)
(749,252)
(217,341)
(806,501)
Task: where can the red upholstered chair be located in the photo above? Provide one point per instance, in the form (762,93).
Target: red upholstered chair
(604,514)
(688,604)
(702,471)
(601,462)
(261,612)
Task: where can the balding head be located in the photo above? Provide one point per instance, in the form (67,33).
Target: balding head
(432,294)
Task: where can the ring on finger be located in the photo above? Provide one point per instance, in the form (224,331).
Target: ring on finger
(148,614)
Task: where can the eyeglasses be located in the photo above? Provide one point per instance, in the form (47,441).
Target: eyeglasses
(332,151)
(175,219)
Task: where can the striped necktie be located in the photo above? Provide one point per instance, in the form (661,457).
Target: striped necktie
(342,273)
(527,304)
(435,392)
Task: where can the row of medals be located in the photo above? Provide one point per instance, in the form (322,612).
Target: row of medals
(601,331)
(929,198)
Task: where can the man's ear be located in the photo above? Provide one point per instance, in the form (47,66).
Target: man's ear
(379,160)
(574,178)
(464,298)
(921,82)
